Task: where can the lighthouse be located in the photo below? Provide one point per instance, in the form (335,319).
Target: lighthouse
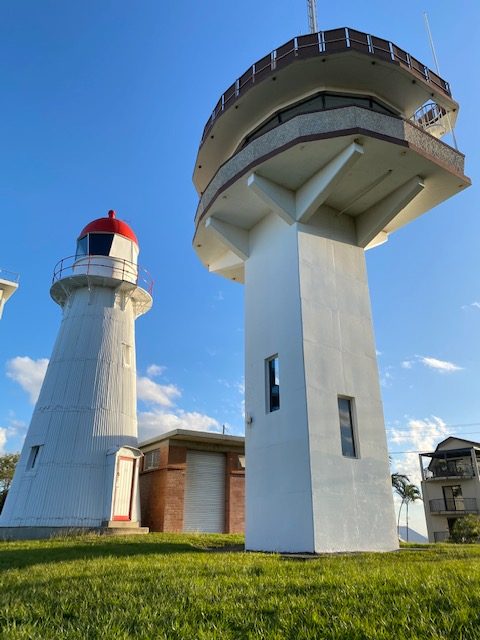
(320,150)
(79,465)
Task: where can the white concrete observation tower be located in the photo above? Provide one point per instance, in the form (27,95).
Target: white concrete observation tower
(320,150)
(8,286)
(79,463)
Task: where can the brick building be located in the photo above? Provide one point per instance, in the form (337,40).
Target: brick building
(193,481)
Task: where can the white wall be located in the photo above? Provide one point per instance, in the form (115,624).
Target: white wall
(306,298)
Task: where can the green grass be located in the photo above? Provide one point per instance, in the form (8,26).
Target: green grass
(175,586)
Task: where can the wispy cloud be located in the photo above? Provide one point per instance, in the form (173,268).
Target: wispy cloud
(442,366)
(155,370)
(28,373)
(474,305)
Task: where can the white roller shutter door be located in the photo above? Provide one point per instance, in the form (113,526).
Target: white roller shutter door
(204,506)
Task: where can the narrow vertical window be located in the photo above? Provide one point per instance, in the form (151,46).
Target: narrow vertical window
(273,384)
(127,355)
(347,432)
(33,457)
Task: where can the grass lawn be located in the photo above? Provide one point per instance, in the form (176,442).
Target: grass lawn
(174,586)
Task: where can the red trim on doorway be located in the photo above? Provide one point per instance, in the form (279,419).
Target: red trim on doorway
(127,518)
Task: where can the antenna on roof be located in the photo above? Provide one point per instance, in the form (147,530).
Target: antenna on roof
(437,69)
(312,16)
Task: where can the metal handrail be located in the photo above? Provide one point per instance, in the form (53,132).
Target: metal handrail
(324,43)
(124,270)
(428,114)
(453,504)
(9,275)
(448,471)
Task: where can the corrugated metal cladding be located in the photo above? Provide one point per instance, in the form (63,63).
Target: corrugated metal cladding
(204,504)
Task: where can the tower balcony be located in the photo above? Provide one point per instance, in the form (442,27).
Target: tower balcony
(344,60)
(74,272)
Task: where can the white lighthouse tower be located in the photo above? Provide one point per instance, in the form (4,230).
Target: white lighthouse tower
(320,150)
(79,464)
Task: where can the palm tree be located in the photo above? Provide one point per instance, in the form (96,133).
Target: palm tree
(409,493)
(399,480)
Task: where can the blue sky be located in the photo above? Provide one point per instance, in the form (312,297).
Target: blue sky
(103,106)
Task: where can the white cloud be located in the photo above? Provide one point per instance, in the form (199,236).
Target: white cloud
(475,305)
(3,439)
(419,435)
(155,370)
(157,394)
(28,373)
(157,421)
(407,364)
(442,366)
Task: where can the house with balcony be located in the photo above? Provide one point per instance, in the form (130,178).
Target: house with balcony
(450,485)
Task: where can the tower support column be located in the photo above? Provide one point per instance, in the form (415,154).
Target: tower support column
(307,304)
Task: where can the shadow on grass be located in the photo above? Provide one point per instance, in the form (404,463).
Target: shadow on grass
(70,549)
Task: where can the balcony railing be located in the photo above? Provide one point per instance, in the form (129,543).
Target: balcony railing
(441,536)
(322,44)
(449,470)
(459,505)
(103,266)
(9,275)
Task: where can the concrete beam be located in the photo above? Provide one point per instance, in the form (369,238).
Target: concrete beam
(277,198)
(374,220)
(234,238)
(379,239)
(299,206)
(228,261)
(317,188)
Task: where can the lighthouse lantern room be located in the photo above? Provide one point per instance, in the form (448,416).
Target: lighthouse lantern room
(79,465)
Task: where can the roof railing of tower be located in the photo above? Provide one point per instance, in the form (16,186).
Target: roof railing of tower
(11,276)
(324,43)
(116,268)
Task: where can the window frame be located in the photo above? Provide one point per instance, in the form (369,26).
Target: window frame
(353,427)
(269,387)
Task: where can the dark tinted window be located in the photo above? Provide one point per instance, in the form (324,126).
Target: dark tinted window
(346,427)
(99,244)
(82,247)
(273,384)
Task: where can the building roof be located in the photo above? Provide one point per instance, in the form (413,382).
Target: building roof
(110,224)
(472,443)
(196,436)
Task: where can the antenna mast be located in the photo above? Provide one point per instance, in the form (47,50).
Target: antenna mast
(437,69)
(312,15)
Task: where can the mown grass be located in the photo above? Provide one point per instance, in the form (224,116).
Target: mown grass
(175,586)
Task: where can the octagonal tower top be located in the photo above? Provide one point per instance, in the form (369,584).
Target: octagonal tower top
(338,61)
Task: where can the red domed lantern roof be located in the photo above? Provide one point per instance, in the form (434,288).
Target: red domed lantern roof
(109,225)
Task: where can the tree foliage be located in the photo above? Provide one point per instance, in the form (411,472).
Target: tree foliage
(466,530)
(8,463)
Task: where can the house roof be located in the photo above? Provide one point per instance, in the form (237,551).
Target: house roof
(195,436)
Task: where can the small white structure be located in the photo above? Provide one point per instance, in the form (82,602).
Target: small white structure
(8,286)
(79,464)
(310,157)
